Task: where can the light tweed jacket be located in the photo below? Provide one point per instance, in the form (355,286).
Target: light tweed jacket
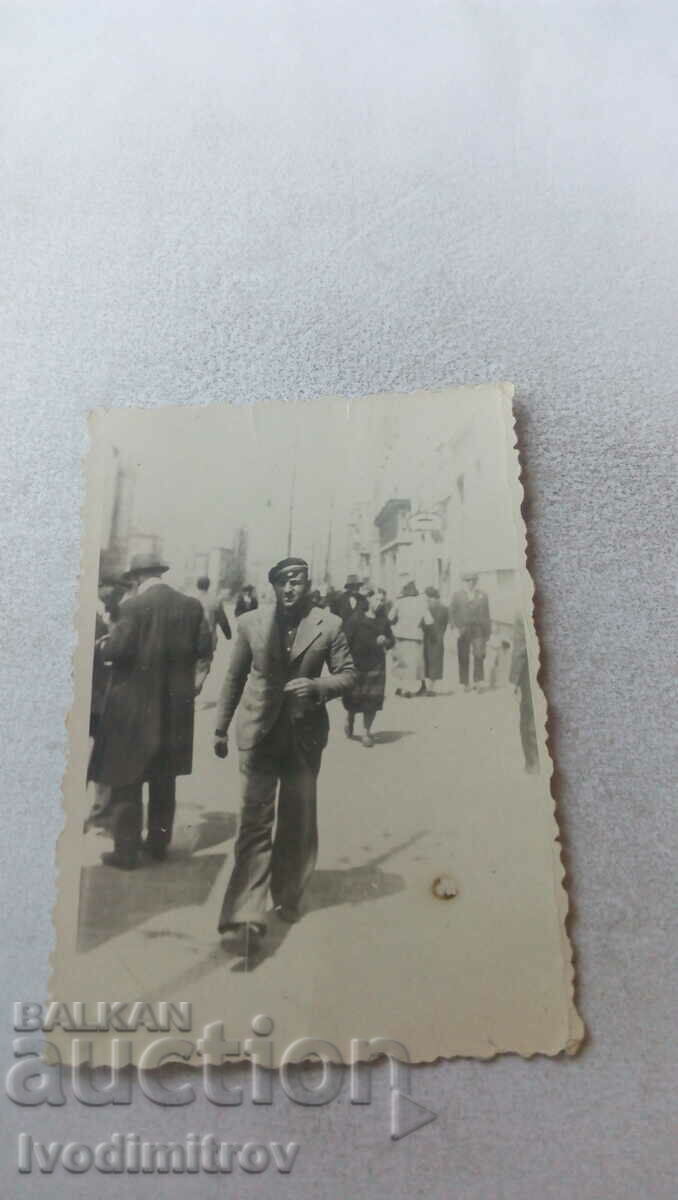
(259,670)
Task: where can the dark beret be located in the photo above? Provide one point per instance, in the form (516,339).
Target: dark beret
(287,564)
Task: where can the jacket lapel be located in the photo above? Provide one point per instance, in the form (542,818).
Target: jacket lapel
(307,632)
(270,635)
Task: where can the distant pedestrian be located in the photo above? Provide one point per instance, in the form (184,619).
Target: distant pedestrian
(247,600)
(214,611)
(100,672)
(160,650)
(470,613)
(369,636)
(350,600)
(112,592)
(434,639)
(121,590)
(332,598)
(408,618)
(520,678)
(385,604)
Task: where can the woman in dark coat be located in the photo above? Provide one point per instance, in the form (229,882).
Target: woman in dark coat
(369,637)
(434,639)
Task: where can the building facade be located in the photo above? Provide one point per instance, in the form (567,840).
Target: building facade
(360,541)
(440,511)
(224,566)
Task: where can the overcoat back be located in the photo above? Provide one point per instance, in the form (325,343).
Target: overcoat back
(147,724)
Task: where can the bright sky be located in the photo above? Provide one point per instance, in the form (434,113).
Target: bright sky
(202,472)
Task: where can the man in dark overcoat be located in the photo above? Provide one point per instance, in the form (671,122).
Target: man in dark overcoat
(470,613)
(274,680)
(160,650)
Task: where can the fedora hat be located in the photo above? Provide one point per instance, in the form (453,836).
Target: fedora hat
(145,562)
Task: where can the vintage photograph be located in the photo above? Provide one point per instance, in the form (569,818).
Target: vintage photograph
(308,774)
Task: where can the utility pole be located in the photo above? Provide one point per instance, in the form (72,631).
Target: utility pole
(290,521)
(328,554)
(293,488)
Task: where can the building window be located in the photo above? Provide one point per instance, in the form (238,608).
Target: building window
(460,488)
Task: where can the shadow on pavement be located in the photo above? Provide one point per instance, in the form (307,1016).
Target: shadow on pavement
(112,902)
(355,885)
(384,736)
(211,829)
(328,888)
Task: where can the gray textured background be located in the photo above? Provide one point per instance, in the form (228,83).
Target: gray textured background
(228,202)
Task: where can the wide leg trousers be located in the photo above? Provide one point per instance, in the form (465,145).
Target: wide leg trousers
(280,863)
(467,642)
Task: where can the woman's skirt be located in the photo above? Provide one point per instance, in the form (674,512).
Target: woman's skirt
(367,694)
(434,657)
(408,662)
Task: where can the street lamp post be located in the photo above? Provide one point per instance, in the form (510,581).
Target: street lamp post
(290,521)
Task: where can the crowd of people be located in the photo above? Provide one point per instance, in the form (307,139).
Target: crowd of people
(414,627)
(153,649)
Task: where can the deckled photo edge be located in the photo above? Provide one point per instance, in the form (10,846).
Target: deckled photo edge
(65,910)
(517,471)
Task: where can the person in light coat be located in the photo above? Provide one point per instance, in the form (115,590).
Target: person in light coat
(409,617)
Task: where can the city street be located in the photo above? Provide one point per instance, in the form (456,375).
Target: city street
(442,793)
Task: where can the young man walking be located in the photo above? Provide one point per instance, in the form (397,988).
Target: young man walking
(274,680)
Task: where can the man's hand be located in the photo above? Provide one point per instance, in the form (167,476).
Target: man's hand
(221,746)
(302,689)
(381,640)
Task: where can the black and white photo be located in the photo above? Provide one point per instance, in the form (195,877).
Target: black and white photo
(306,694)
